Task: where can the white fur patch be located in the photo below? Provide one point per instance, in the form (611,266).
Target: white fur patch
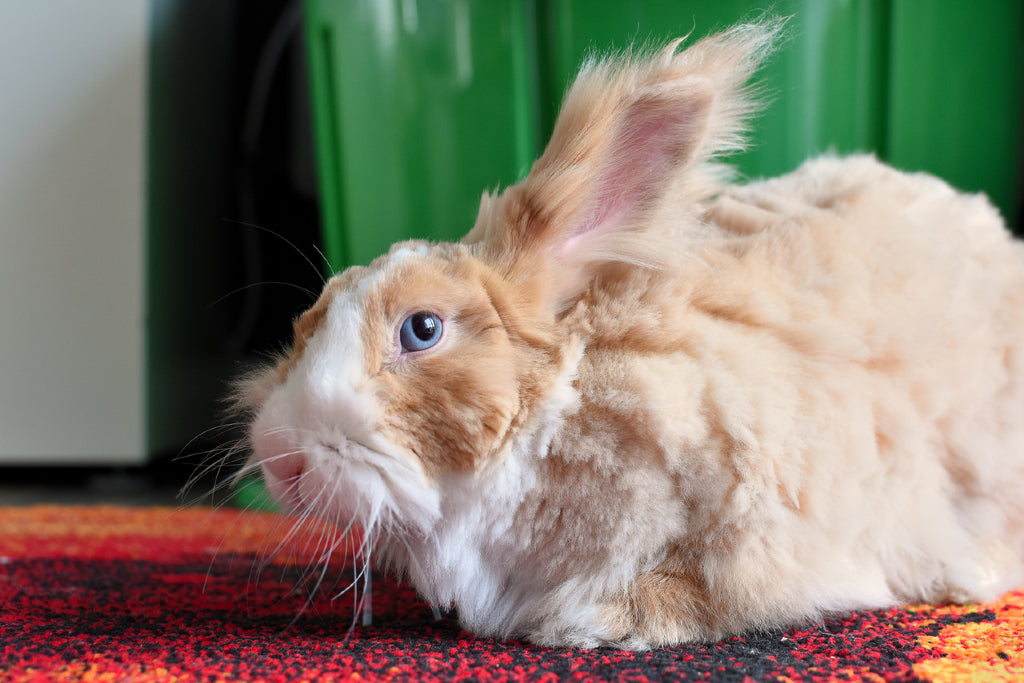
(317,439)
(399,255)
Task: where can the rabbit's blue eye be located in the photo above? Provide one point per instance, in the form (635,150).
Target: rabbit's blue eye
(420,331)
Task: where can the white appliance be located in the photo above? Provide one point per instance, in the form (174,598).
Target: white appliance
(113,186)
(72,231)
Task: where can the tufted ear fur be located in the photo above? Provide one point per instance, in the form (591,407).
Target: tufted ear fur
(631,137)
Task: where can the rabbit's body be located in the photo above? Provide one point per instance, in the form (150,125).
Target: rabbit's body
(661,409)
(792,377)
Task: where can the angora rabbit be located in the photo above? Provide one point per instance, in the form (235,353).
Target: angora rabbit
(638,406)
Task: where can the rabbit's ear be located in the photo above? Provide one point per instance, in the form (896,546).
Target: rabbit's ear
(651,139)
(630,129)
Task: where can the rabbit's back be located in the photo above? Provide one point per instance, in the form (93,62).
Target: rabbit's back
(833,375)
(919,286)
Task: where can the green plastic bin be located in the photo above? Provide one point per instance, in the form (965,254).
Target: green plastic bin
(419,105)
(932,85)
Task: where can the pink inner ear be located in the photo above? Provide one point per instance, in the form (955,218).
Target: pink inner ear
(654,138)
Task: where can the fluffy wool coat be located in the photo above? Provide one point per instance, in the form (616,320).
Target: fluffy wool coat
(657,407)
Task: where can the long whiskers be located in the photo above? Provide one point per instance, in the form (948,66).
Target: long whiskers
(277,235)
(305,290)
(309,551)
(213,462)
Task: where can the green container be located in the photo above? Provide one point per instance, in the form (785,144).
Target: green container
(420,105)
(818,86)
(930,85)
(955,88)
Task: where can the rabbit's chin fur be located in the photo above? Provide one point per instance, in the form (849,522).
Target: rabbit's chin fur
(663,408)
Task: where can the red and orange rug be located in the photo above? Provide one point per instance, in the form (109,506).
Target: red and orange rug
(130,594)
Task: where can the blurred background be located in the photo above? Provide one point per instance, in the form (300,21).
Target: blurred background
(178,176)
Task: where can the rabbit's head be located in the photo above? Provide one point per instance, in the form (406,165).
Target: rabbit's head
(436,358)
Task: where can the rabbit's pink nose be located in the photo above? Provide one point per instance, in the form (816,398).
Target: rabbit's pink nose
(283,468)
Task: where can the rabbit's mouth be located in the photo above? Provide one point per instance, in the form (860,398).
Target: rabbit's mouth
(322,477)
(343,480)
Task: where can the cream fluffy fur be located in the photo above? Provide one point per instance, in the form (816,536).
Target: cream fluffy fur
(663,408)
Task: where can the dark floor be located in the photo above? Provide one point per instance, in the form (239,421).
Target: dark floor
(164,483)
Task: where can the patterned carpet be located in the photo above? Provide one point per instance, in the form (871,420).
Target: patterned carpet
(155,594)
